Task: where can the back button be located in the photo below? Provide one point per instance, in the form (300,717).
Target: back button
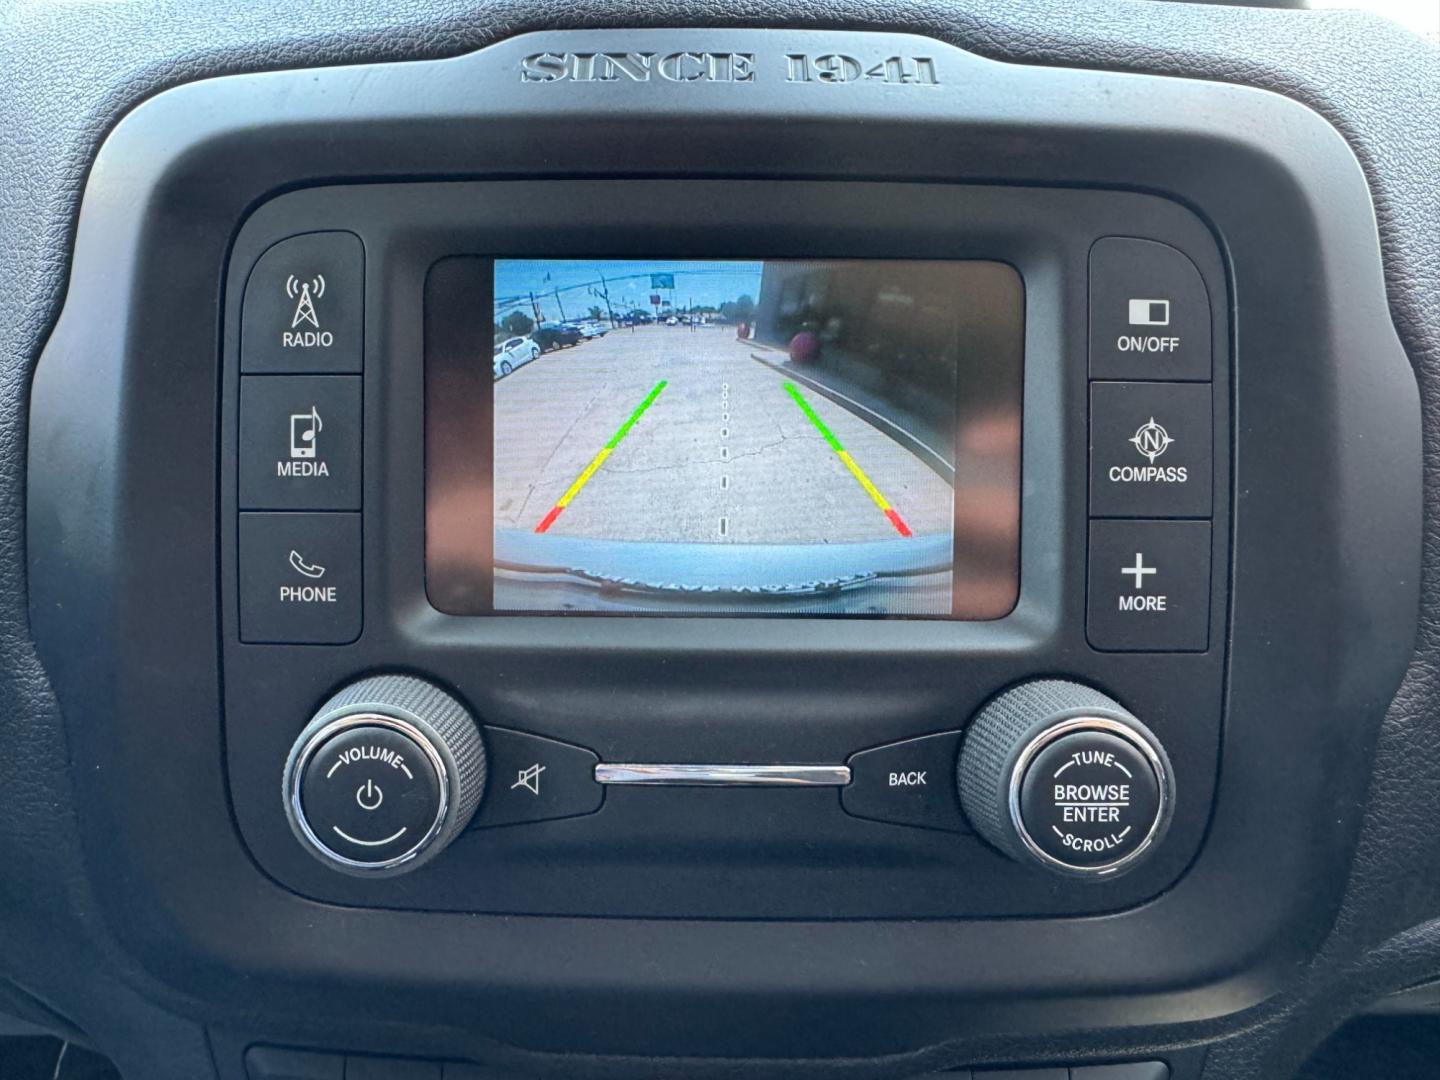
(533,778)
(907,783)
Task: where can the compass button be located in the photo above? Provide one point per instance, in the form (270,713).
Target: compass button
(1150,450)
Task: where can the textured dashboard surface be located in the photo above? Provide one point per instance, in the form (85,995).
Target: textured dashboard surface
(71,70)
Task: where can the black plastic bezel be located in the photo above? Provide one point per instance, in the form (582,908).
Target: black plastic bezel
(735,690)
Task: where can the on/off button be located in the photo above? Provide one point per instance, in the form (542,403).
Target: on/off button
(370,795)
(1149,313)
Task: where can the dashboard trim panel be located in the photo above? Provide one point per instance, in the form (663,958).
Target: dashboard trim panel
(126,390)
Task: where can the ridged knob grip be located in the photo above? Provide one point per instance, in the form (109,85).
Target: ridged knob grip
(1059,775)
(388,773)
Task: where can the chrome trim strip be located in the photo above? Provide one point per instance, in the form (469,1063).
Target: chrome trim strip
(725,775)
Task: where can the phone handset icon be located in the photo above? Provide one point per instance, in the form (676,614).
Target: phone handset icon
(308,569)
(304,428)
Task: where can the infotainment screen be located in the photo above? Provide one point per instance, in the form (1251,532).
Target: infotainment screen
(816,437)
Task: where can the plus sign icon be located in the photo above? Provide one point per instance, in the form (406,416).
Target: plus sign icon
(1139,571)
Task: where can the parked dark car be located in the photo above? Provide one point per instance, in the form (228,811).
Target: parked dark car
(557,337)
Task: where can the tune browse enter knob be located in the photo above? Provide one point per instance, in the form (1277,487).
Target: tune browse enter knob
(1057,774)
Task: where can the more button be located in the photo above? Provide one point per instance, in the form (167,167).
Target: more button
(1149,586)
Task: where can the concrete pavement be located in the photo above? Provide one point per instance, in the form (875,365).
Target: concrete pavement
(723,454)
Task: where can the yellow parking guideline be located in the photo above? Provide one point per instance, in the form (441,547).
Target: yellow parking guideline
(859,474)
(584,477)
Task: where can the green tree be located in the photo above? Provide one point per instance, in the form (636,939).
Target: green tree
(517,324)
(740,310)
(596,314)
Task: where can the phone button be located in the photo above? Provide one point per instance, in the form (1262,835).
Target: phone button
(300,579)
(300,442)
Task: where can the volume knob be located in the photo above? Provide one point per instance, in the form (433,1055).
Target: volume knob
(1057,774)
(388,772)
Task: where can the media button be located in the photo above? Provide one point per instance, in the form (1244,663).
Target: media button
(1149,586)
(300,578)
(1149,312)
(533,778)
(304,307)
(300,442)
(907,783)
(1150,450)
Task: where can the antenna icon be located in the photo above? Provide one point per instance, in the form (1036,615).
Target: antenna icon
(305,293)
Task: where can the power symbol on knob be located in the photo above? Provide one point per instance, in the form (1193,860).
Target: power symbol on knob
(369,795)
(388,772)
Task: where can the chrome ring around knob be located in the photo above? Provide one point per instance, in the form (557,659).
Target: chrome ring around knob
(1077,726)
(1061,776)
(414,757)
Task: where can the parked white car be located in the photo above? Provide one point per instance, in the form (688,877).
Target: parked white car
(593,329)
(512,353)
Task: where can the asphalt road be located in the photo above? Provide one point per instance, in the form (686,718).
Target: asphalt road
(722,454)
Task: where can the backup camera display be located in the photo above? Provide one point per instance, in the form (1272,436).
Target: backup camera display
(743,437)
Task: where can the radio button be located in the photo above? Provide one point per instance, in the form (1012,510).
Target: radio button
(1149,312)
(304,307)
(907,783)
(533,778)
(1149,586)
(1150,450)
(300,578)
(300,442)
